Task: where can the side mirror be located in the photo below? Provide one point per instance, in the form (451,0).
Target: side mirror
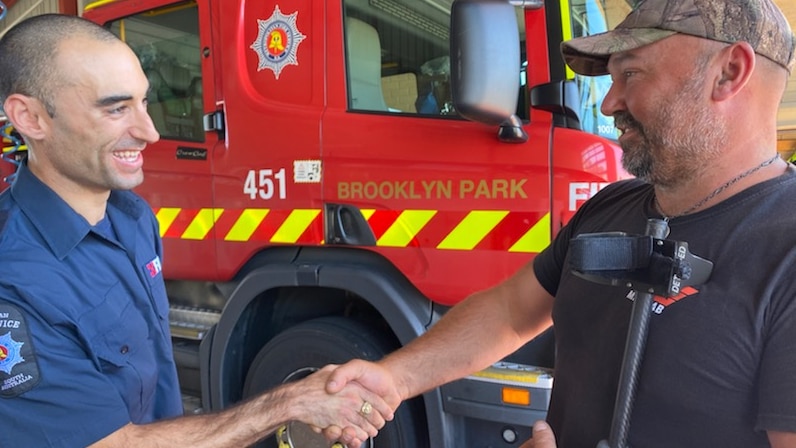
(559,97)
(485,60)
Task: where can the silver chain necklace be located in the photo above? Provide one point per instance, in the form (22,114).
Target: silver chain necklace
(717,191)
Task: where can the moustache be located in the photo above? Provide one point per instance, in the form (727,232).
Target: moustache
(624,121)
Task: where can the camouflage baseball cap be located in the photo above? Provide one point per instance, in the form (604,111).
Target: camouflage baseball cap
(758,22)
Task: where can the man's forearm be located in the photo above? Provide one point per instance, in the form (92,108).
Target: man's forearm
(239,426)
(473,335)
(242,425)
(454,347)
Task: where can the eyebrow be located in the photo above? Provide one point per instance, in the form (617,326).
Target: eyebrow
(113,99)
(616,59)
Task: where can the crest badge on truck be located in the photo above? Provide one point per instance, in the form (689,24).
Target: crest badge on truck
(277,41)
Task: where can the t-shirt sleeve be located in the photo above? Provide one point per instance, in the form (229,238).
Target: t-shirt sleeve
(777,382)
(51,392)
(551,262)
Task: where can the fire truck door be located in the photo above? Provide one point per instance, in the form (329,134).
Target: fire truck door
(436,190)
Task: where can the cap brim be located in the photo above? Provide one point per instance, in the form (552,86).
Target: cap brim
(589,55)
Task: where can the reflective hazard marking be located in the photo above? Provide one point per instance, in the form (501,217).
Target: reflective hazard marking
(472,229)
(501,230)
(405,228)
(166,217)
(535,239)
(245,226)
(202,224)
(295,225)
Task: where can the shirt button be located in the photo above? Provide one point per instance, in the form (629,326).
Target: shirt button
(124,349)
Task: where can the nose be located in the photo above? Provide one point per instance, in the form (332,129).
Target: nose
(144,128)
(612,102)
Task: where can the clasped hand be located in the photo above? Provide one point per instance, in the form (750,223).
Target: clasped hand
(349,415)
(380,381)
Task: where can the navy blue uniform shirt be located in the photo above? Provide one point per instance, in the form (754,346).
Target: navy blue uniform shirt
(84,336)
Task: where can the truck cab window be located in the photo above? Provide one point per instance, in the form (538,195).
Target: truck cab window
(590,17)
(398,57)
(167,44)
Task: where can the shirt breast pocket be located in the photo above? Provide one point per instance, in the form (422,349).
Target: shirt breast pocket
(158,290)
(118,336)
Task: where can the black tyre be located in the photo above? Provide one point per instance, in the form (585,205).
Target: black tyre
(300,350)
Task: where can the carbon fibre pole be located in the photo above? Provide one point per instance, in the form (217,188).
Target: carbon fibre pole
(634,352)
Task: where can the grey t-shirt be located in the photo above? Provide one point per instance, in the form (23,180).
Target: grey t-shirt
(720,363)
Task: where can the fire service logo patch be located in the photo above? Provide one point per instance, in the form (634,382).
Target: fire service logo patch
(277,42)
(19,369)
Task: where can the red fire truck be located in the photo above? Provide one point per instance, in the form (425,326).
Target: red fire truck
(332,175)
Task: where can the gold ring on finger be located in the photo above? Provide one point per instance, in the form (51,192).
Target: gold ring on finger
(366,408)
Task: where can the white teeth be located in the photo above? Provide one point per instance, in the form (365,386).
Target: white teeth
(127,156)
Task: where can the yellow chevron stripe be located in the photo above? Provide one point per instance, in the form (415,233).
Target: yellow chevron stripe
(536,239)
(472,229)
(246,224)
(295,224)
(405,228)
(202,224)
(465,236)
(166,217)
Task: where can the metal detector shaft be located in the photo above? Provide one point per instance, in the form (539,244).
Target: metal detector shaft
(634,351)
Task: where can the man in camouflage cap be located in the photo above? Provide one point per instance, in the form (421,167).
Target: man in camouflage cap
(695,93)
(697,109)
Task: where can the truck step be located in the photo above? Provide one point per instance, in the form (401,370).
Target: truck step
(191,405)
(191,323)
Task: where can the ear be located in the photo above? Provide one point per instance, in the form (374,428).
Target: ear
(28,116)
(737,65)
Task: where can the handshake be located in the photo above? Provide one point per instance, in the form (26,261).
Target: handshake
(347,404)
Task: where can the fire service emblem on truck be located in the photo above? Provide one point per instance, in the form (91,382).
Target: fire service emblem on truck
(277,41)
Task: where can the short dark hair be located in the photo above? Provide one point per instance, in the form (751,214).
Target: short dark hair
(28,49)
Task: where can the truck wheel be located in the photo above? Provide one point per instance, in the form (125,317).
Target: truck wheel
(305,348)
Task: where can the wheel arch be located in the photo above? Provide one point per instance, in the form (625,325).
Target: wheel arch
(365,274)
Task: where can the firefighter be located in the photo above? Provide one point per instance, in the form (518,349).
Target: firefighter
(696,88)
(85,349)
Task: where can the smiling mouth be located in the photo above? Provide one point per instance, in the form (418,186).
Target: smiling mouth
(628,130)
(127,156)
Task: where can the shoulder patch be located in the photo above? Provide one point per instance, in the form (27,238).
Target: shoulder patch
(19,371)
